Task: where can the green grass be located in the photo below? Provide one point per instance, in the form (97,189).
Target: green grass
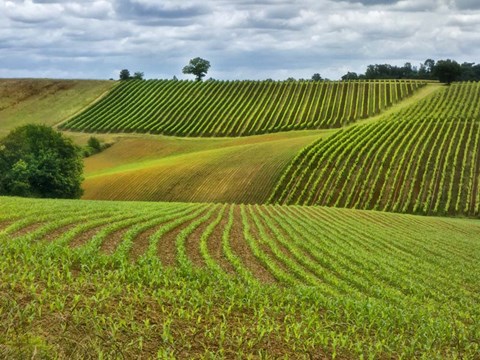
(45,101)
(237,108)
(149,168)
(422,159)
(84,279)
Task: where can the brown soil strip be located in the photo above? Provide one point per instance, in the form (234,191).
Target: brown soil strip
(84,237)
(167,248)
(192,243)
(27,229)
(111,242)
(58,232)
(140,245)
(215,248)
(242,250)
(5,223)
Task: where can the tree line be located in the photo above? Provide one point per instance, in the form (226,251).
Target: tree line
(445,71)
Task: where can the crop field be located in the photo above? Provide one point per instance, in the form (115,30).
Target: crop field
(45,101)
(424,159)
(237,108)
(116,279)
(236,170)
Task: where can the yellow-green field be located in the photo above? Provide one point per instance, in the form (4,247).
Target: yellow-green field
(45,101)
(239,170)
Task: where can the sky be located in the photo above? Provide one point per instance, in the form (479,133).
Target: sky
(242,39)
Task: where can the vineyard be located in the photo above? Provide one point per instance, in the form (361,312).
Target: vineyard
(237,108)
(424,159)
(218,280)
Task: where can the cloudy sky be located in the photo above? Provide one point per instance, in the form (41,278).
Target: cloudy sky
(243,39)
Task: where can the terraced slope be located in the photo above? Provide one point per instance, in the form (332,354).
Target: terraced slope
(237,108)
(343,283)
(153,168)
(45,101)
(424,159)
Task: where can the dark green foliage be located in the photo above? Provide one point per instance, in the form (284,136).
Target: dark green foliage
(316,77)
(198,67)
(125,74)
(138,75)
(37,161)
(350,76)
(94,146)
(447,71)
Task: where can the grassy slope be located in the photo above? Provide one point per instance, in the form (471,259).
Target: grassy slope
(240,170)
(45,101)
(124,279)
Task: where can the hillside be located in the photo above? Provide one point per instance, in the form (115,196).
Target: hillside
(424,159)
(45,101)
(153,168)
(119,279)
(237,108)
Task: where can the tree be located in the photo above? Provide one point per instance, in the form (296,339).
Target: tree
(316,77)
(447,71)
(125,74)
(37,161)
(350,76)
(198,67)
(138,75)
(429,65)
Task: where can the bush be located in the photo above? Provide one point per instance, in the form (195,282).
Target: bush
(37,161)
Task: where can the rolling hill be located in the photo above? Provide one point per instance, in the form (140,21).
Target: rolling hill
(45,101)
(152,168)
(237,108)
(423,159)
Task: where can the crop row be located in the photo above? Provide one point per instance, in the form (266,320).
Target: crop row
(126,279)
(237,108)
(424,159)
(287,245)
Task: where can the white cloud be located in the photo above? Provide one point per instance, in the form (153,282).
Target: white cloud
(243,38)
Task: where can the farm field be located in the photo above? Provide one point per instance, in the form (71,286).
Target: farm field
(237,108)
(116,279)
(152,168)
(424,159)
(45,101)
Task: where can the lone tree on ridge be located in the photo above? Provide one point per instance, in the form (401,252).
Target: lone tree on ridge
(198,67)
(124,74)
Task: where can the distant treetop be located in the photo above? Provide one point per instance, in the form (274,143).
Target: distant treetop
(198,67)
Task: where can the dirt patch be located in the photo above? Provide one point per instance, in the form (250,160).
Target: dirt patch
(51,236)
(215,248)
(5,223)
(140,245)
(111,242)
(84,237)
(167,248)
(26,230)
(192,243)
(240,247)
